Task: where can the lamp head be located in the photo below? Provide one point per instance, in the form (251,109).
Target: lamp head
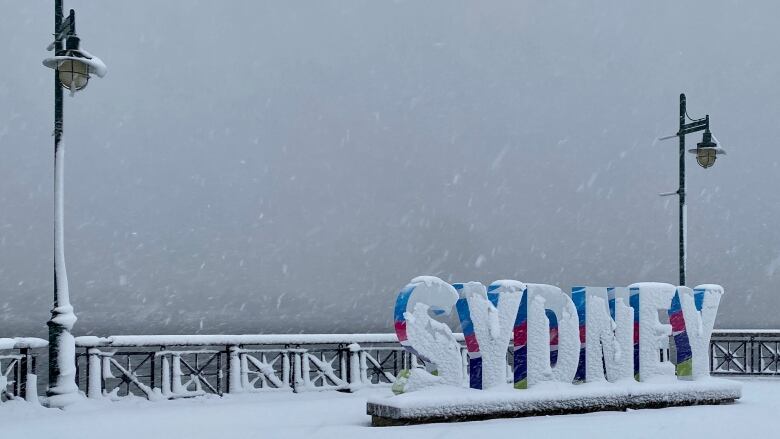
(707,150)
(75,66)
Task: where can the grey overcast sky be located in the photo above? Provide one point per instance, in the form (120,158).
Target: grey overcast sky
(256,166)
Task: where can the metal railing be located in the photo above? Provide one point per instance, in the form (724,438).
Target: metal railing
(18,378)
(745,352)
(176,366)
(167,367)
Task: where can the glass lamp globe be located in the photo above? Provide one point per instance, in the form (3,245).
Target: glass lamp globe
(705,157)
(707,150)
(73,74)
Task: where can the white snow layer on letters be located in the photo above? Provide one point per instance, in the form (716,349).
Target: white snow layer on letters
(420,379)
(653,335)
(434,340)
(615,336)
(493,328)
(541,297)
(699,325)
(434,292)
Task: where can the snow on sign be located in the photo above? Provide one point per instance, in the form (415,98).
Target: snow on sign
(598,349)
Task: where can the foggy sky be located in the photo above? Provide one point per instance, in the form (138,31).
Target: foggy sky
(288,166)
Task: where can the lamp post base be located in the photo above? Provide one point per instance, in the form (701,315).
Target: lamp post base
(63,389)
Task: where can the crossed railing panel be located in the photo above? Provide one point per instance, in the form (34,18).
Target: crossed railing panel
(261,370)
(9,375)
(18,362)
(744,352)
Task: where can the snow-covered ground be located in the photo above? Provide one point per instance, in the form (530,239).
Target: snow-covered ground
(341,415)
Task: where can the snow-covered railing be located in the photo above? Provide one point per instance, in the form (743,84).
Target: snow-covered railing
(18,360)
(173,366)
(745,352)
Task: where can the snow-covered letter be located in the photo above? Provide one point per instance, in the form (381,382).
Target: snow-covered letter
(606,335)
(486,318)
(539,299)
(653,335)
(692,317)
(431,341)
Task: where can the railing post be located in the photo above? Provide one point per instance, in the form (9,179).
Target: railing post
(220,375)
(153,370)
(31,381)
(94,373)
(749,357)
(305,369)
(297,370)
(235,369)
(363,367)
(245,372)
(22,373)
(344,363)
(165,376)
(4,384)
(355,375)
(176,386)
(286,368)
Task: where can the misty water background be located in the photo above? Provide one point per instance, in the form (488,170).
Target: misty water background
(288,166)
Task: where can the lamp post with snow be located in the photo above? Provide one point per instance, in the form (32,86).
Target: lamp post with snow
(706,152)
(72,70)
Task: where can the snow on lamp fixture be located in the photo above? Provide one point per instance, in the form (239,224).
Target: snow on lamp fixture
(706,151)
(74,66)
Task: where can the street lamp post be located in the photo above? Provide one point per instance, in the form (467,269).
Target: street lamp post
(72,69)
(706,152)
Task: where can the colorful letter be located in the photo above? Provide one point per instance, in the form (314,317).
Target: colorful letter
(486,319)
(430,340)
(606,338)
(520,344)
(542,298)
(653,335)
(698,307)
